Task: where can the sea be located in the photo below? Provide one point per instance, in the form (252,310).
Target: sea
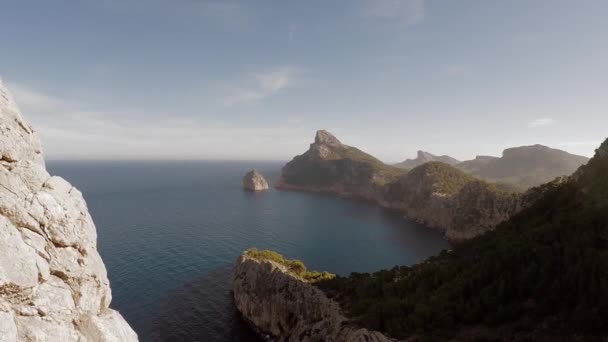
(169,233)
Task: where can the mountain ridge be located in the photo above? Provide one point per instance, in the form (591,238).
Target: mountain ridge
(540,275)
(435,194)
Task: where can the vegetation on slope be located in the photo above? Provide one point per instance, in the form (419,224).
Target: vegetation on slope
(541,275)
(343,164)
(445,178)
(296,267)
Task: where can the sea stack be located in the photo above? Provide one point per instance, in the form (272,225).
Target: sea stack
(254,181)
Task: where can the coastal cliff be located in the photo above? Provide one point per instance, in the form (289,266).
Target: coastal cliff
(332,167)
(285,306)
(53,283)
(434,193)
(506,285)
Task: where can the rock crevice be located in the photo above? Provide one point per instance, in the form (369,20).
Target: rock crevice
(53,283)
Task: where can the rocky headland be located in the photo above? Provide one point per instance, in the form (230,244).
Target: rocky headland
(434,193)
(53,283)
(282,304)
(254,181)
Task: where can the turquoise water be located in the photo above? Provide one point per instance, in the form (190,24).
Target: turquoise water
(169,232)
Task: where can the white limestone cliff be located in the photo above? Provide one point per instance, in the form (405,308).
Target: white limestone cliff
(53,283)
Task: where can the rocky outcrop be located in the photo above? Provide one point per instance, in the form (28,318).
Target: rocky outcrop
(254,181)
(283,306)
(332,167)
(425,157)
(53,283)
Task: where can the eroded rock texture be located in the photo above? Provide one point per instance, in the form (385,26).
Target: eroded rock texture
(284,306)
(53,283)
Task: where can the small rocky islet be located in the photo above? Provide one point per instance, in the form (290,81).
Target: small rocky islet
(254,181)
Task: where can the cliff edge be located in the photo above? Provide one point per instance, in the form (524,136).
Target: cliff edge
(53,283)
(280,303)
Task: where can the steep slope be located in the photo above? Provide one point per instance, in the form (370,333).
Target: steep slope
(525,166)
(279,302)
(541,275)
(330,166)
(448,199)
(425,157)
(53,283)
(435,194)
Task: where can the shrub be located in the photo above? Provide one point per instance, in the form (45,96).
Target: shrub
(296,267)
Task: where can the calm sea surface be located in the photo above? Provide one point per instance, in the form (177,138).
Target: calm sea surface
(169,232)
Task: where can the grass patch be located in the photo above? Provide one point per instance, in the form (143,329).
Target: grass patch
(296,267)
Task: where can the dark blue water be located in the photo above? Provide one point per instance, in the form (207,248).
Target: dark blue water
(169,232)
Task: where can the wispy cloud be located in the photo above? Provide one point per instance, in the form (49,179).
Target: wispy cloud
(409,12)
(72,129)
(540,122)
(261,85)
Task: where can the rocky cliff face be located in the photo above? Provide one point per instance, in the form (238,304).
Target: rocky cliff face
(254,181)
(447,199)
(425,157)
(53,283)
(435,194)
(332,167)
(280,304)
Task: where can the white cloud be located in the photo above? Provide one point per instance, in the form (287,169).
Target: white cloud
(262,85)
(71,129)
(409,12)
(540,122)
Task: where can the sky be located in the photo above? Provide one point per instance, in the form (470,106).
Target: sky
(253,80)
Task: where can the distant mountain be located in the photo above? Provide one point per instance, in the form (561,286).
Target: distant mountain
(525,166)
(425,157)
(434,193)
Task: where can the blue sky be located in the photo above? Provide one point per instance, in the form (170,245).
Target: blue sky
(188,79)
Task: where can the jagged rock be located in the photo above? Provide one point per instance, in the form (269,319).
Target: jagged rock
(323,137)
(280,304)
(53,283)
(254,181)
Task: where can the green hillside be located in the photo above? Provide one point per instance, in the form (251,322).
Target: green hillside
(542,275)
